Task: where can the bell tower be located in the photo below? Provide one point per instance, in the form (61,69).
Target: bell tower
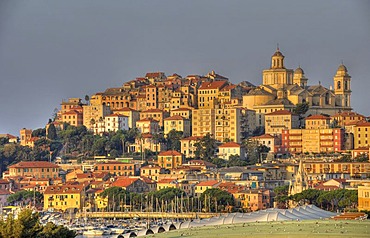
(277,76)
(342,88)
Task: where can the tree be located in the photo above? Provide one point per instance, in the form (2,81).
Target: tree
(255,151)
(28,225)
(87,99)
(281,196)
(40,132)
(52,132)
(217,200)
(205,148)
(173,140)
(301,109)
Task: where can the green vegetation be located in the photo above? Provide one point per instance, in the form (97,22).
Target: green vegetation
(290,229)
(28,225)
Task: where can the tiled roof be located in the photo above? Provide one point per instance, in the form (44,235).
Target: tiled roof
(169,153)
(174,118)
(168,180)
(212,85)
(208,183)
(229,144)
(363,123)
(34,164)
(64,189)
(318,117)
(124,182)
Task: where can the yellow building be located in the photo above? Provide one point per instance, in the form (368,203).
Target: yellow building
(317,122)
(133,115)
(188,146)
(73,117)
(231,148)
(282,89)
(177,123)
(184,112)
(344,118)
(203,186)
(151,171)
(61,198)
(208,93)
(156,114)
(277,121)
(25,135)
(312,140)
(92,113)
(361,134)
(354,169)
(364,197)
(170,159)
(203,122)
(147,125)
(35,169)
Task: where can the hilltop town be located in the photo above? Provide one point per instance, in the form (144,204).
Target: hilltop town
(195,143)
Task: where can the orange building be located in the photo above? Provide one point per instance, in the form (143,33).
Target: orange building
(116,168)
(312,140)
(170,159)
(156,114)
(35,169)
(345,118)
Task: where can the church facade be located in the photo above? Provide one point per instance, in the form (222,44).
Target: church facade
(283,88)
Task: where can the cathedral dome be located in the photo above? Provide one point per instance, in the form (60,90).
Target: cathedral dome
(342,68)
(299,70)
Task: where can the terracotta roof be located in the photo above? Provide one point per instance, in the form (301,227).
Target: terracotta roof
(363,123)
(153,74)
(212,85)
(64,189)
(229,144)
(124,182)
(318,117)
(169,153)
(71,112)
(34,164)
(175,118)
(208,183)
(280,112)
(147,180)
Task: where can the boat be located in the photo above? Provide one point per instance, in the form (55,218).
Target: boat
(93,232)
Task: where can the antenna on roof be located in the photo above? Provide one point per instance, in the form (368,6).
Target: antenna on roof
(342,61)
(277,48)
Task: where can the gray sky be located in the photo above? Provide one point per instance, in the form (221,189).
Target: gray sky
(53,50)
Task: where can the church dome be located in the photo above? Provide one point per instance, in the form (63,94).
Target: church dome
(342,68)
(278,53)
(299,70)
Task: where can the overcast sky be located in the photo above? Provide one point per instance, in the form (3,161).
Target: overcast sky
(54,50)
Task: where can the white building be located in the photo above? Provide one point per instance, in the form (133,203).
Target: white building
(116,122)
